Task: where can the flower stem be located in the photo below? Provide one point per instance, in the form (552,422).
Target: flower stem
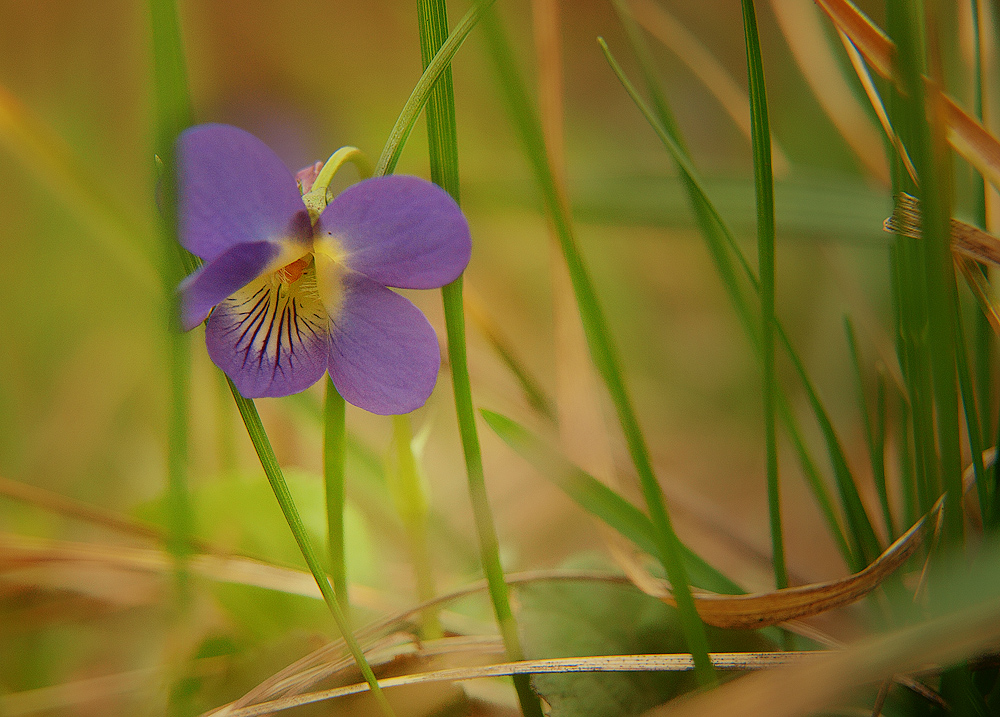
(411,503)
(316,198)
(268,461)
(334,447)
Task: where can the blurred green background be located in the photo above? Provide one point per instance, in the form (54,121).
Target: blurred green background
(82,331)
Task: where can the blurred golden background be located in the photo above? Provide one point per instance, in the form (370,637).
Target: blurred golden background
(82,349)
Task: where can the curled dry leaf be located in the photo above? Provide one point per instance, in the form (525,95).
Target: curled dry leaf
(771,608)
(968,243)
(966,239)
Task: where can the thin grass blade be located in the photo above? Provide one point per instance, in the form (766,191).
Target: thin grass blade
(269,462)
(862,535)
(442,137)
(173,114)
(599,500)
(764,190)
(602,349)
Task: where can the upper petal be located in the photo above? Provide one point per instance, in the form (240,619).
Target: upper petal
(231,189)
(271,338)
(221,277)
(398,230)
(384,355)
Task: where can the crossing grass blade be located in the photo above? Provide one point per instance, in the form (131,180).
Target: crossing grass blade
(440,62)
(603,352)
(600,500)
(864,545)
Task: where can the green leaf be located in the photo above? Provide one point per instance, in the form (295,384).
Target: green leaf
(565,619)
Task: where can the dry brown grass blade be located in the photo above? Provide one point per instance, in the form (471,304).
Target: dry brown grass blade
(966,239)
(866,36)
(73,566)
(326,661)
(69,697)
(815,686)
(729,661)
(861,70)
(778,606)
(61,505)
(971,140)
(802,27)
(967,243)
(982,290)
(395,654)
(709,71)
(968,137)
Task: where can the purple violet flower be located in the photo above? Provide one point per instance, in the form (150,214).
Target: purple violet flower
(289,296)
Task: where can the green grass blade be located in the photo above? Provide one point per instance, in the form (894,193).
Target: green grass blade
(269,462)
(874,434)
(930,291)
(173,101)
(605,359)
(764,186)
(442,131)
(861,532)
(421,91)
(816,484)
(410,498)
(599,500)
(50,161)
(173,114)
(971,411)
(983,341)
(505,351)
(442,142)
(721,240)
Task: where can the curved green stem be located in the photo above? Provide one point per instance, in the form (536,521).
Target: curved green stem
(316,198)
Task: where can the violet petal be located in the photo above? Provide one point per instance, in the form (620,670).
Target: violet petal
(399,230)
(222,277)
(232,189)
(384,355)
(271,338)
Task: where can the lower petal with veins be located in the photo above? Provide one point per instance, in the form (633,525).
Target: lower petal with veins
(272,338)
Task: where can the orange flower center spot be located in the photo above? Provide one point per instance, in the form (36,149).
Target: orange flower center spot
(291,272)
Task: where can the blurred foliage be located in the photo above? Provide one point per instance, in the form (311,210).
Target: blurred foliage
(83,400)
